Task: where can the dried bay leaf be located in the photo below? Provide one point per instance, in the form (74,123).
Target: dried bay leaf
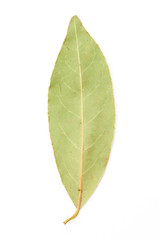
(81,113)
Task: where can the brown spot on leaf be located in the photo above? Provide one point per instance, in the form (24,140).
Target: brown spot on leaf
(66,45)
(107,161)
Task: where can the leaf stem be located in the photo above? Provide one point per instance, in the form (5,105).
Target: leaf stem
(77,210)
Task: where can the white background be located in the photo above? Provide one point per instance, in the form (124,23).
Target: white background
(33,201)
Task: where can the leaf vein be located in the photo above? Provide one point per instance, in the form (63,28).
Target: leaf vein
(68,138)
(67,64)
(100,135)
(97,86)
(70,88)
(93,163)
(67,108)
(70,173)
(95,116)
(95,54)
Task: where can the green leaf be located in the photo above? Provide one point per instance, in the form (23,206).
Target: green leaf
(81,113)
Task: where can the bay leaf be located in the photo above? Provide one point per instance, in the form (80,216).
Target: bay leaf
(81,114)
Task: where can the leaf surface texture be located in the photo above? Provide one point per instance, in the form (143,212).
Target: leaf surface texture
(81,113)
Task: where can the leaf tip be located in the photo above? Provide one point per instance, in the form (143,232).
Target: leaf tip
(75,17)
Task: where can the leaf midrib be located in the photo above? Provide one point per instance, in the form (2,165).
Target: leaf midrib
(82,129)
(82,120)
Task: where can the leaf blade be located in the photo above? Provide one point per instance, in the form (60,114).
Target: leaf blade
(81,113)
